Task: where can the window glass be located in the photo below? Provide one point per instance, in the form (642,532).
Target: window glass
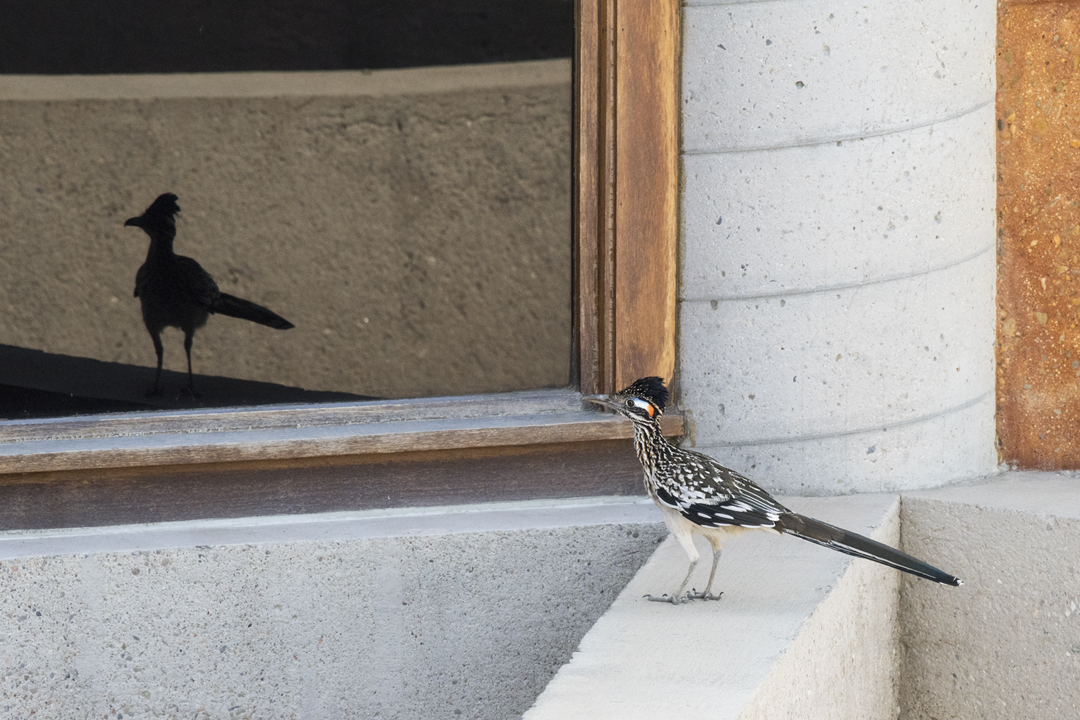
(398,190)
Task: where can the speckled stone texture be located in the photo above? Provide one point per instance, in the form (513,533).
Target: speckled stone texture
(1038,145)
(468,625)
(837,262)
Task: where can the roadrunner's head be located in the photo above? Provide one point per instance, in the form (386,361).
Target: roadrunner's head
(159,218)
(642,401)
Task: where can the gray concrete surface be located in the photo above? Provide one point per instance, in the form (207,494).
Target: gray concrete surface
(837,267)
(461,613)
(1008,646)
(787,640)
(805,633)
(468,611)
(413,224)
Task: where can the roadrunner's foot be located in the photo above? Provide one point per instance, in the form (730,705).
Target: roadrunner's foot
(695,595)
(673,599)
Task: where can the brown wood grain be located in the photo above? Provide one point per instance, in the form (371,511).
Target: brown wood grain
(607,188)
(282,443)
(97,497)
(586,206)
(627,190)
(647,189)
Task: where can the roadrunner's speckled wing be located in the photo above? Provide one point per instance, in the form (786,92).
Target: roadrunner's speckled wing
(710,495)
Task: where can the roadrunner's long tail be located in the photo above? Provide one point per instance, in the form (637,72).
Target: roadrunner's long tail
(851,543)
(246,310)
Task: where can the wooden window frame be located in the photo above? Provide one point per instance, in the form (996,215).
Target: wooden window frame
(144,467)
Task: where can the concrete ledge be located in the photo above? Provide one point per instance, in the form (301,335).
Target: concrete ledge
(1008,646)
(805,633)
(353,83)
(330,527)
(788,639)
(466,612)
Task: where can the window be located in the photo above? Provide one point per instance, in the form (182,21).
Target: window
(303,458)
(407,207)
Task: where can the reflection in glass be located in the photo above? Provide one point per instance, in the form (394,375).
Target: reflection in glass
(174,290)
(413,223)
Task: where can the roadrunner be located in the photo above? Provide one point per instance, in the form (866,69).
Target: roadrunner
(698,495)
(176,292)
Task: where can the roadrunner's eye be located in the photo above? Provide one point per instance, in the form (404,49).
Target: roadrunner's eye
(642,405)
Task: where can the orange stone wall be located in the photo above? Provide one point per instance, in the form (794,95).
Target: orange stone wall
(1038,124)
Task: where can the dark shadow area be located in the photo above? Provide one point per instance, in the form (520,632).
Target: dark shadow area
(39,385)
(60,37)
(19,403)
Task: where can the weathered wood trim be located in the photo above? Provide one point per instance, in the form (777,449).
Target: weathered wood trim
(592,111)
(122,496)
(647,182)
(627,190)
(266,440)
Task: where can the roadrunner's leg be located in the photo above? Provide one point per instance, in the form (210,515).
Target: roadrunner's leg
(160,350)
(694,594)
(189,336)
(685,537)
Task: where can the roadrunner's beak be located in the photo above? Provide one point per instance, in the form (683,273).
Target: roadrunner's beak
(134,222)
(602,400)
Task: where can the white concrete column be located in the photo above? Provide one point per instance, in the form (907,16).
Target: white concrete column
(837,260)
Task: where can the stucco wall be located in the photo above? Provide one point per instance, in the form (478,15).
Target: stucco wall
(413,224)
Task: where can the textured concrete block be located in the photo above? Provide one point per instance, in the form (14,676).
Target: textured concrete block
(328,620)
(925,453)
(825,392)
(1008,645)
(801,632)
(837,215)
(835,362)
(765,75)
(844,664)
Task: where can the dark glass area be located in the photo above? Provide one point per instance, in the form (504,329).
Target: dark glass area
(400,229)
(135,36)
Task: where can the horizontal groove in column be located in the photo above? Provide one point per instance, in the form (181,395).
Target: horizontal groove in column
(846,286)
(859,431)
(839,138)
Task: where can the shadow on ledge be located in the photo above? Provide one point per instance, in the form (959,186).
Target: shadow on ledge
(37,384)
